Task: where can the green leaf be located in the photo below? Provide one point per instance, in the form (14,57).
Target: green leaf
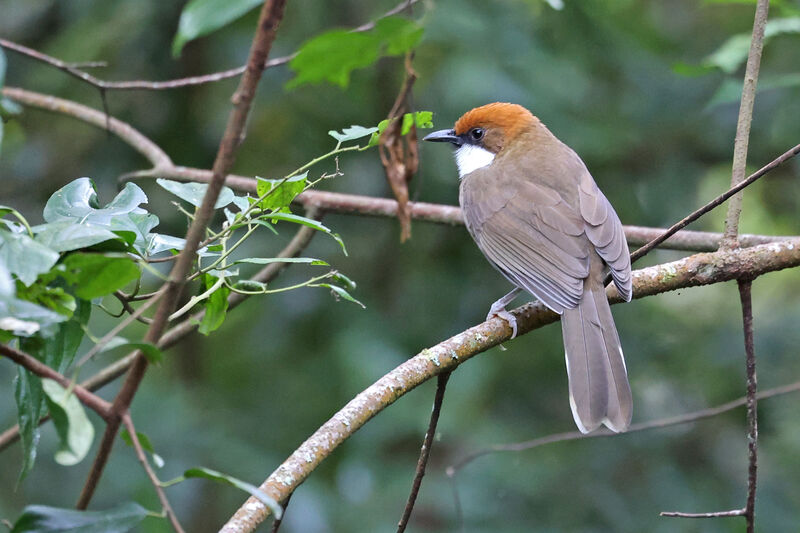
(3,64)
(311,223)
(213,475)
(54,298)
(139,226)
(420,119)
(339,292)
(150,351)
(268,260)
(250,285)
(157,243)
(201,17)
(332,56)
(730,90)
(77,201)
(398,34)
(733,52)
(23,318)
(24,257)
(43,519)
(29,398)
(194,192)
(95,275)
(216,306)
(145,443)
(67,235)
(281,192)
(352,133)
(60,349)
(74,430)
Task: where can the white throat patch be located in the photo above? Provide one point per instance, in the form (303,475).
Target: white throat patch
(470,158)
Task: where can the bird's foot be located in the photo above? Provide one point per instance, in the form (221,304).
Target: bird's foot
(499,311)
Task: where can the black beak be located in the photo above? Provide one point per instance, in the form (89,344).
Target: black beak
(444,136)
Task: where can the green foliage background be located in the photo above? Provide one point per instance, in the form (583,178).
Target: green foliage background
(600,75)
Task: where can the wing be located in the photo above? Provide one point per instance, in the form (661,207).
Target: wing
(534,238)
(604,230)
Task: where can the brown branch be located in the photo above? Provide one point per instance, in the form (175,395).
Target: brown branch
(128,308)
(30,363)
(744,121)
(425,452)
(276,525)
(696,270)
(295,247)
(752,392)
(660,423)
(74,69)
(269,19)
(137,446)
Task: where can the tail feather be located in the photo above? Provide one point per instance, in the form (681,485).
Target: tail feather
(599,391)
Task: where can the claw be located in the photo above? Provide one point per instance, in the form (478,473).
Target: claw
(505,315)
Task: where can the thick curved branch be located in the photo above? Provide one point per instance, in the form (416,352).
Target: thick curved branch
(696,270)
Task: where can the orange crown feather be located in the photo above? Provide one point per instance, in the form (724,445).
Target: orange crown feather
(511,118)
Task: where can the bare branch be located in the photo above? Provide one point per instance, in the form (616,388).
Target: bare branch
(74,69)
(269,19)
(715,514)
(30,363)
(696,270)
(425,452)
(744,121)
(752,413)
(137,446)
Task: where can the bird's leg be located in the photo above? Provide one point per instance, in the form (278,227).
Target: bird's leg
(498,309)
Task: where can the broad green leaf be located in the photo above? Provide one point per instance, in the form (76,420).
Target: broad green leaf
(77,201)
(420,119)
(352,133)
(24,257)
(96,275)
(216,306)
(733,52)
(268,260)
(43,519)
(398,34)
(332,56)
(29,398)
(60,349)
(157,243)
(213,475)
(150,351)
(53,298)
(201,17)
(74,430)
(311,223)
(139,226)
(145,443)
(281,192)
(339,292)
(23,318)
(194,192)
(68,235)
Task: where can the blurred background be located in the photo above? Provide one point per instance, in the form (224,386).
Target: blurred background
(603,77)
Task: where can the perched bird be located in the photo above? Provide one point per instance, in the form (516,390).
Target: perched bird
(537,215)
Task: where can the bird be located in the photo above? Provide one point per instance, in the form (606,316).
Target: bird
(536,213)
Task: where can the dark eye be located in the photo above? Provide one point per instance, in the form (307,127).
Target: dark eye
(476,133)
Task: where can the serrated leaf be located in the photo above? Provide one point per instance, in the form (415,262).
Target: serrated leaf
(213,475)
(75,432)
(67,235)
(24,257)
(201,17)
(194,192)
(398,34)
(311,223)
(280,192)
(339,292)
(215,306)
(77,201)
(332,57)
(352,133)
(43,519)
(96,275)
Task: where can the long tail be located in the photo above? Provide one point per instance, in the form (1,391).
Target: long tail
(599,392)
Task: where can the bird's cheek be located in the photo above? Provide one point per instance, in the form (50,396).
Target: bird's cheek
(470,158)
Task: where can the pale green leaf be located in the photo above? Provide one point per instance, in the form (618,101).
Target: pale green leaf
(213,475)
(75,432)
(201,17)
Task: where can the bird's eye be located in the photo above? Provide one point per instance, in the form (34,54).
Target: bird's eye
(476,133)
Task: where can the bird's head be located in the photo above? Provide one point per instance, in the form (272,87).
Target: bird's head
(482,133)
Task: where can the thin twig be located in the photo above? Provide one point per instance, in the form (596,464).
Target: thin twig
(278,521)
(744,121)
(752,400)
(269,19)
(74,69)
(700,269)
(425,452)
(660,423)
(137,446)
(715,514)
(128,308)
